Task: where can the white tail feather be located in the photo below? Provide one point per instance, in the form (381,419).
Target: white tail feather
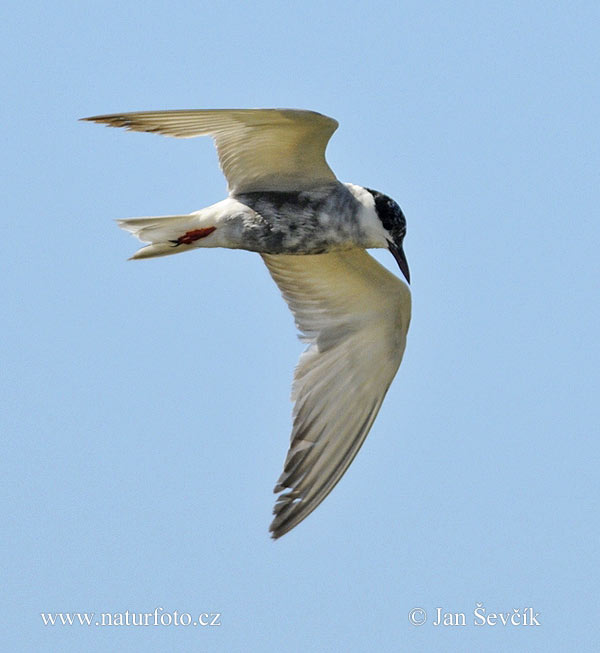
(160,233)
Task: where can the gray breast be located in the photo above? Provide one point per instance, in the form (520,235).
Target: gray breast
(306,222)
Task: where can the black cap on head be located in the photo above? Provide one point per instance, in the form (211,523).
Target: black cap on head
(394,222)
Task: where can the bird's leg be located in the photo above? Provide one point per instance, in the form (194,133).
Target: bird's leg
(190,236)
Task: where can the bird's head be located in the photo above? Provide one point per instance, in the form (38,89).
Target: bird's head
(394,225)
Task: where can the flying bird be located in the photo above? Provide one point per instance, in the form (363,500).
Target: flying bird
(312,232)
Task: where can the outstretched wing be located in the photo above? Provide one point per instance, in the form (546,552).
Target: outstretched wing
(259,149)
(355,315)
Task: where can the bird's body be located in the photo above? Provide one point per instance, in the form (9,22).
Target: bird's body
(312,232)
(337,216)
(327,219)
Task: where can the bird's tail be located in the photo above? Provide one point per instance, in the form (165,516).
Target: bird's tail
(169,234)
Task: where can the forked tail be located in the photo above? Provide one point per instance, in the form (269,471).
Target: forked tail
(170,234)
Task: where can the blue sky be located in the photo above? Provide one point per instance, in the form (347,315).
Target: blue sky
(146,409)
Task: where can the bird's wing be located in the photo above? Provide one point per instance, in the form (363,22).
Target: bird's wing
(355,315)
(259,149)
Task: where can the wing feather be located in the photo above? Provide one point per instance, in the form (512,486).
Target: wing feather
(259,149)
(354,314)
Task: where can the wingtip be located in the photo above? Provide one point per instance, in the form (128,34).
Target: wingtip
(276,529)
(109,120)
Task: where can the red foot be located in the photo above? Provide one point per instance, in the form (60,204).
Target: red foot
(195,234)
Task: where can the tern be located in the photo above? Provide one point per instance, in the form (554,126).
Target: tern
(312,232)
